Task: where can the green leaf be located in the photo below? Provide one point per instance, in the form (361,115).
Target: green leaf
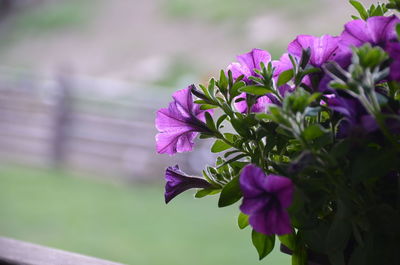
(230,194)
(305,58)
(263,243)
(312,132)
(205,192)
(288,240)
(339,231)
(285,77)
(360,8)
(207,106)
(398,30)
(255,90)
(221,119)
(210,122)
(219,146)
(234,92)
(299,256)
(211,87)
(243,220)
(223,81)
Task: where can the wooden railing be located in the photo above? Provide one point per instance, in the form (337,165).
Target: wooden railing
(72,123)
(15,252)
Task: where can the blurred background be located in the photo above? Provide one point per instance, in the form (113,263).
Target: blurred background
(80,82)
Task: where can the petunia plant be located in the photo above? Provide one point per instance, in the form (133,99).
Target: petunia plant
(308,145)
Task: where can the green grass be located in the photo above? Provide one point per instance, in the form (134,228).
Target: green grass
(128,224)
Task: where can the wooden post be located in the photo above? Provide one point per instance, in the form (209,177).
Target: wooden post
(62,120)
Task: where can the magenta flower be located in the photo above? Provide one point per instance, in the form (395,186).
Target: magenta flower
(178,182)
(323,49)
(377,30)
(266,199)
(246,65)
(179,123)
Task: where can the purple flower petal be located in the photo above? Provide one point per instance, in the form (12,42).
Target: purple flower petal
(237,70)
(265,200)
(260,105)
(393,49)
(274,221)
(283,64)
(178,182)
(248,62)
(323,49)
(253,59)
(179,123)
(376,30)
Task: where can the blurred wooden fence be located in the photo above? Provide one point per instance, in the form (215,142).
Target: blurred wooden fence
(70,126)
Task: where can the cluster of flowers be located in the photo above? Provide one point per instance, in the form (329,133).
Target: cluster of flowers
(343,87)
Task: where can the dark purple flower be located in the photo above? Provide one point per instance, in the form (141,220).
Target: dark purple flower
(393,49)
(323,49)
(246,65)
(357,121)
(265,200)
(178,182)
(378,30)
(179,123)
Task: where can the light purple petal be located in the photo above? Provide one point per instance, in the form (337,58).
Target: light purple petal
(377,30)
(179,123)
(237,70)
(283,64)
(260,105)
(355,34)
(323,49)
(171,119)
(172,142)
(184,101)
(253,59)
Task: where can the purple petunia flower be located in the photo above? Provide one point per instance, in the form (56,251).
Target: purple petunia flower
(179,123)
(178,182)
(378,31)
(323,49)
(357,121)
(246,65)
(248,62)
(266,199)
